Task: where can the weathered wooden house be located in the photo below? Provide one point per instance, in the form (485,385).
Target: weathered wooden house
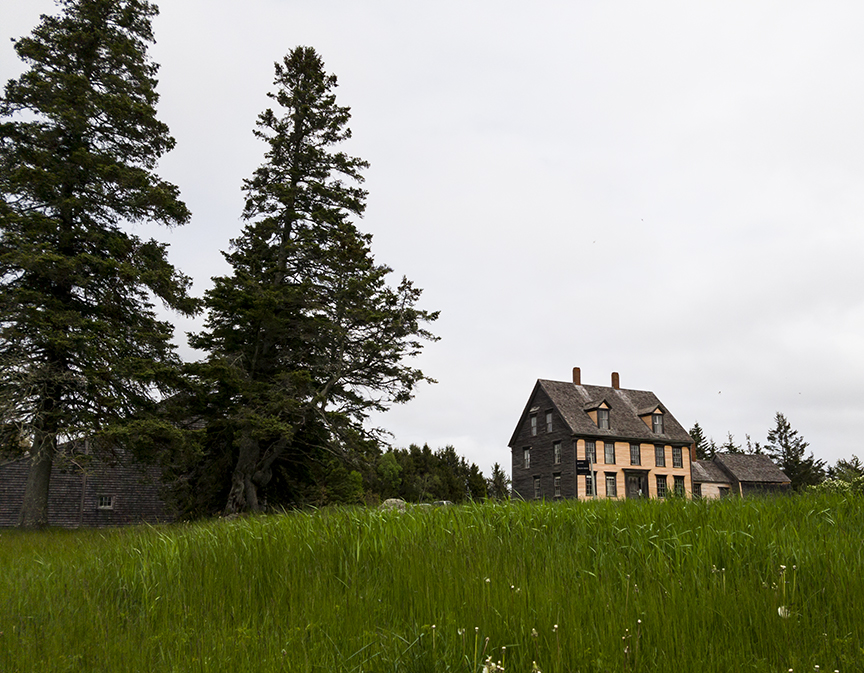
(634,445)
(737,474)
(89,488)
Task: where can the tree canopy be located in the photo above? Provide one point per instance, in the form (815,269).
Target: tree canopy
(786,448)
(80,344)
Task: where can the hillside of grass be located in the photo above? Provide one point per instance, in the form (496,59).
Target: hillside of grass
(736,585)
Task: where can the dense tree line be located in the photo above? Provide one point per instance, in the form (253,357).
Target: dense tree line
(303,338)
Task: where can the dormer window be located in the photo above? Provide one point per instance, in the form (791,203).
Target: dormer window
(603,419)
(657,423)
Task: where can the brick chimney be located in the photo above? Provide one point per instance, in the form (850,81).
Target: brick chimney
(615,383)
(577,376)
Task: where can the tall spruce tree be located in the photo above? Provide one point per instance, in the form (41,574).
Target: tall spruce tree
(786,448)
(305,337)
(80,344)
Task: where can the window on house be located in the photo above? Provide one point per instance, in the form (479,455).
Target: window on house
(533,425)
(677,459)
(661,486)
(556,479)
(611,485)
(548,421)
(657,423)
(724,491)
(660,456)
(556,453)
(603,419)
(609,452)
(635,455)
(697,490)
(536,488)
(106,502)
(679,485)
(589,485)
(591,451)
(526,458)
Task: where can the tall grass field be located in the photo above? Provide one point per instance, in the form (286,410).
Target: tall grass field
(772,584)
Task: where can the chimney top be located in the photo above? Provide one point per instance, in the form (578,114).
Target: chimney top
(615,383)
(577,376)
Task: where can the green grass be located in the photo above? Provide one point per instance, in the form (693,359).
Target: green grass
(632,586)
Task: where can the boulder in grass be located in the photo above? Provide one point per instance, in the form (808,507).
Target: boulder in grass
(393,503)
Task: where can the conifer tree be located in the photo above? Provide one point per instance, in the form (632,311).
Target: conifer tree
(306,336)
(80,344)
(786,448)
(705,450)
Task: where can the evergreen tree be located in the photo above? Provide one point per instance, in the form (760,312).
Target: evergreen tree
(730,446)
(847,470)
(498,485)
(704,449)
(305,337)
(80,344)
(786,449)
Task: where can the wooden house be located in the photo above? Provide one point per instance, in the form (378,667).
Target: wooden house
(634,446)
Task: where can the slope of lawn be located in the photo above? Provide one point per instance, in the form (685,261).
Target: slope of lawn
(736,585)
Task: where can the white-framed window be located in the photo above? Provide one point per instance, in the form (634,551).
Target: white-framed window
(536,488)
(677,458)
(611,485)
(678,485)
(556,453)
(609,452)
(556,479)
(548,421)
(657,423)
(526,457)
(533,425)
(661,485)
(635,454)
(106,502)
(589,484)
(659,456)
(603,419)
(591,450)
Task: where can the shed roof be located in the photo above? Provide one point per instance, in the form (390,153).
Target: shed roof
(706,471)
(751,468)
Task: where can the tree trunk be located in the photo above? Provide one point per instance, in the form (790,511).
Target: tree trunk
(34,508)
(243,495)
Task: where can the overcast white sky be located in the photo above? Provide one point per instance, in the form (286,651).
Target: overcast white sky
(669,190)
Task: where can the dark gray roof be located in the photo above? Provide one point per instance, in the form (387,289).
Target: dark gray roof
(752,468)
(624,405)
(706,471)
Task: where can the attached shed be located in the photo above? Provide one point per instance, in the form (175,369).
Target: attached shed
(738,474)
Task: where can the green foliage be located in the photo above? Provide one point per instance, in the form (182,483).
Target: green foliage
(786,449)
(306,336)
(419,474)
(498,485)
(80,345)
(760,585)
(705,450)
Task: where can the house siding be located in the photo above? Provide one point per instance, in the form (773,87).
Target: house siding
(74,492)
